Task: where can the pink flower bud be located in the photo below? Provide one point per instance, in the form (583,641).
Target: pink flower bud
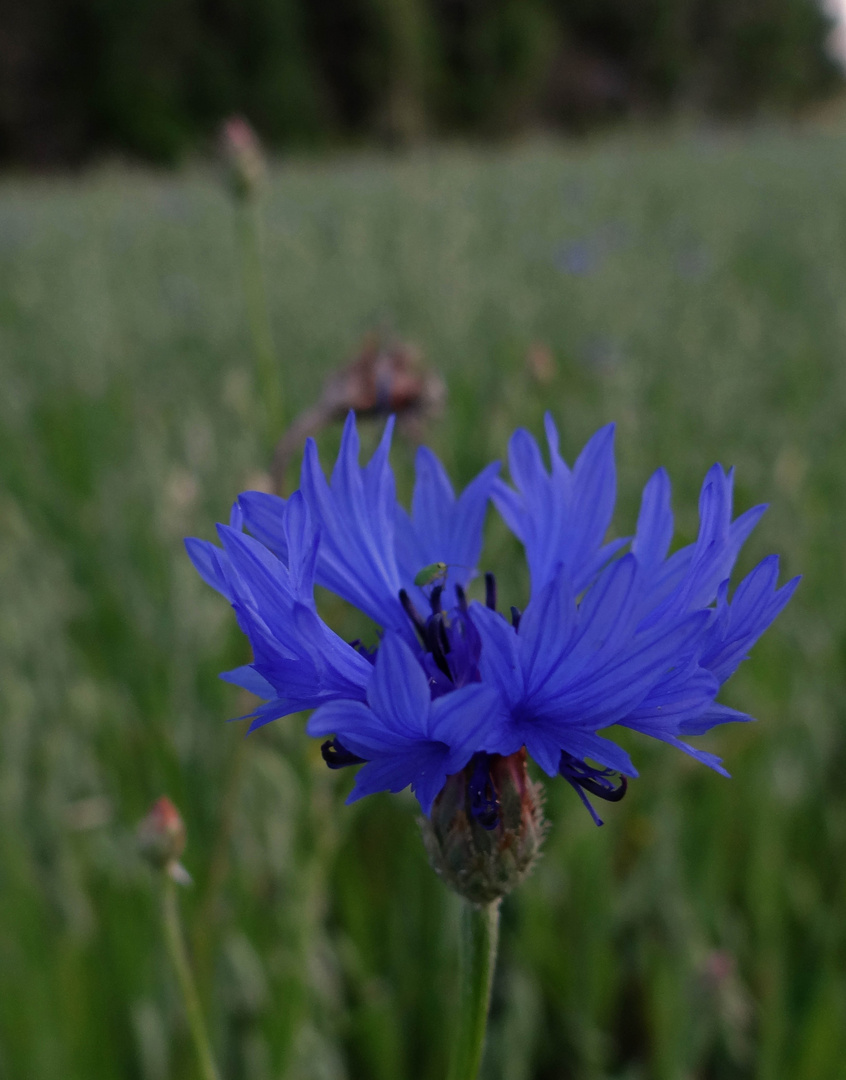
(161,835)
(242,154)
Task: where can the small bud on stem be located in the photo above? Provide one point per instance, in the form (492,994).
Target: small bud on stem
(242,155)
(161,839)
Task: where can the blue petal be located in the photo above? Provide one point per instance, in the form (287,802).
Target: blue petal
(702,756)
(755,605)
(356,532)
(430,777)
(604,693)
(207,559)
(333,717)
(432,491)
(302,544)
(499,662)
(561,516)
(264,516)
(294,650)
(606,614)
(543,745)
(718,543)
(680,697)
(387,774)
(442,528)
(594,493)
(510,507)
(546,631)
(249,679)
(583,744)
(423,768)
(714,715)
(655,522)
(463,720)
(256,577)
(399,688)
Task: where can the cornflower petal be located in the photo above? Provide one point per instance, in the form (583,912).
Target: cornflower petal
(755,605)
(248,678)
(463,720)
(609,755)
(594,494)
(654,531)
(681,695)
(295,654)
(206,558)
(441,528)
(711,717)
(562,516)
(602,697)
(404,736)
(546,631)
(399,687)
(357,539)
(370,547)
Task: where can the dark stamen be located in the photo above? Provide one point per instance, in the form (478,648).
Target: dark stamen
(605,790)
(598,782)
(415,616)
(435,599)
(444,637)
(336,755)
(461,597)
(515,618)
(484,804)
(433,643)
(490,591)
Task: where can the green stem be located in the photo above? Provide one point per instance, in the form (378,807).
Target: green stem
(268,373)
(479,938)
(179,956)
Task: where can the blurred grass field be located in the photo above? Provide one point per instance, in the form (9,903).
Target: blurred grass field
(693,290)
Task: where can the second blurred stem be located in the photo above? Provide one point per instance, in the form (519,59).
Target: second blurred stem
(179,957)
(268,375)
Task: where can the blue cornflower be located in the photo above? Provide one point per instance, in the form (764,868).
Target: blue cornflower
(454,691)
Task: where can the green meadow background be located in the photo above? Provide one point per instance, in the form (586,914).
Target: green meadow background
(692,288)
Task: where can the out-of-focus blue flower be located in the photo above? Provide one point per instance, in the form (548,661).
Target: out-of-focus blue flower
(642,639)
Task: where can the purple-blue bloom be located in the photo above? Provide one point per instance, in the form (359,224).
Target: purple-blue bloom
(639,638)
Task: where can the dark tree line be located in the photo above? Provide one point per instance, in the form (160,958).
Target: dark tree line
(154,77)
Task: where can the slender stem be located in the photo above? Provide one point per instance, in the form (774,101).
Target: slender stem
(268,373)
(479,938)
(179,956)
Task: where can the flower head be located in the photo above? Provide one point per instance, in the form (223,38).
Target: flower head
(637,638)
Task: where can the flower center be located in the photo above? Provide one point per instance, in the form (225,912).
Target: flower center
(450,641)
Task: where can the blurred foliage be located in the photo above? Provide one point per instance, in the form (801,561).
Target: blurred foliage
(154,78)
(693,291)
